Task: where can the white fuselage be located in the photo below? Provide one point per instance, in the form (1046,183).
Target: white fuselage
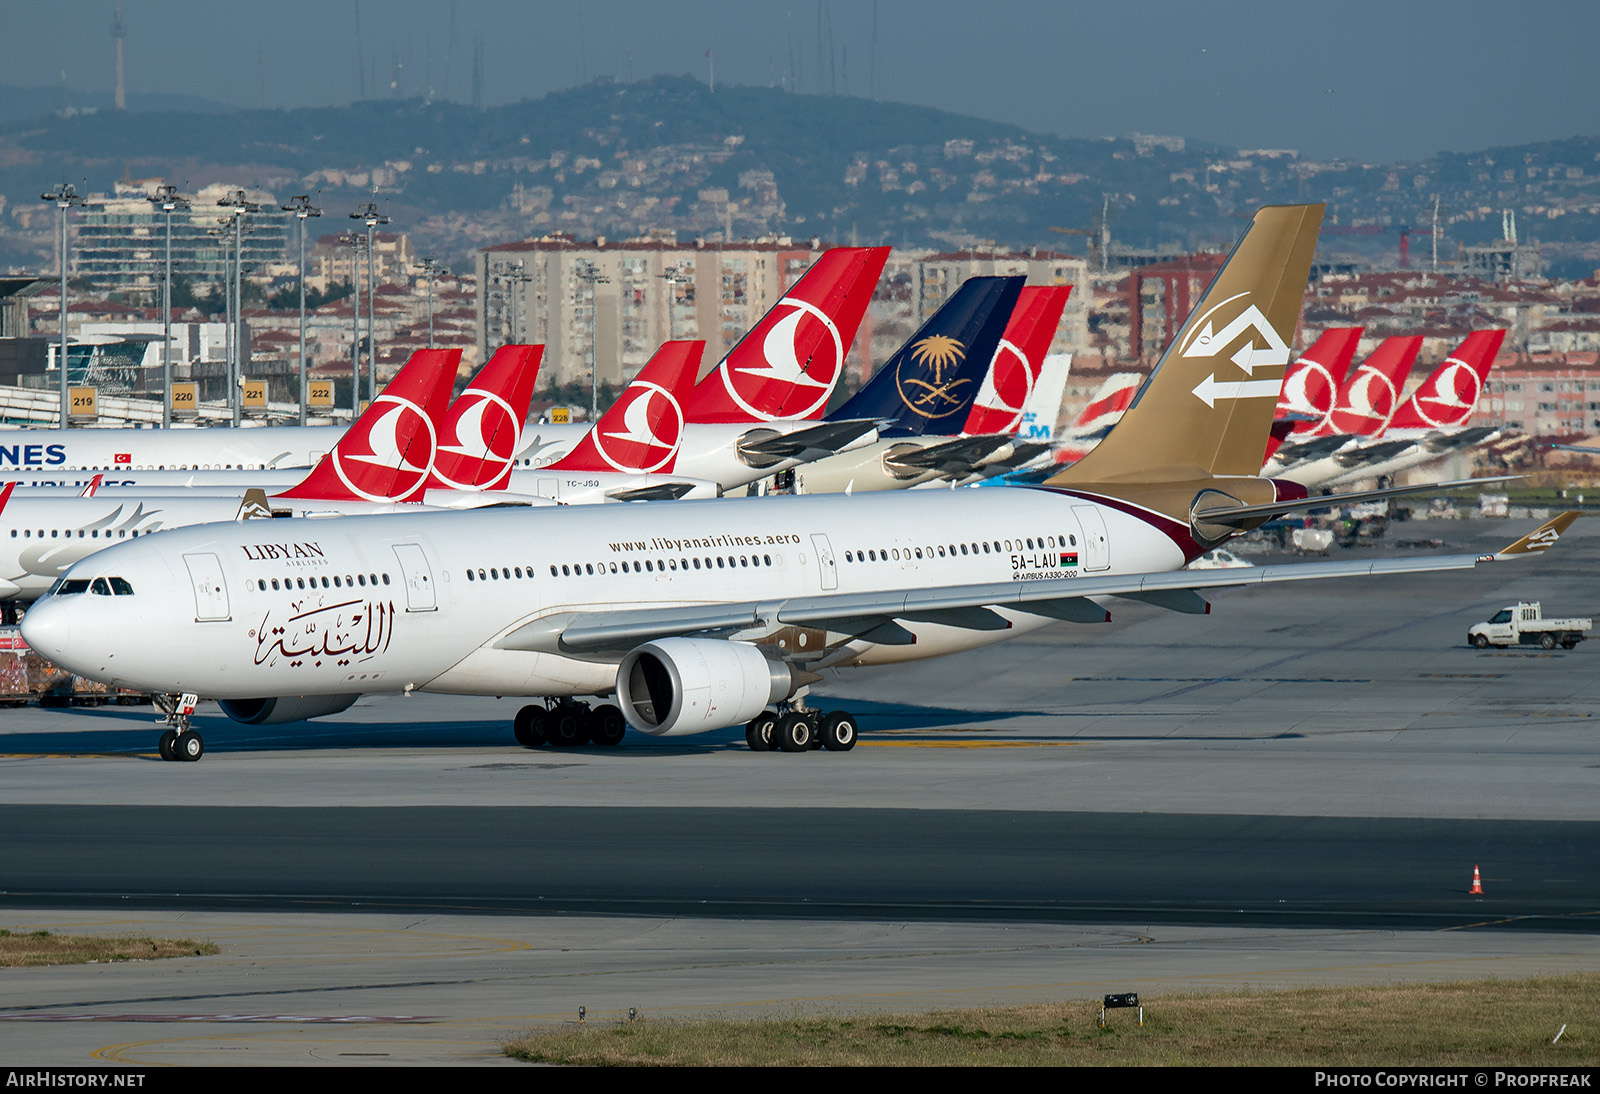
(383,604)
(55,451)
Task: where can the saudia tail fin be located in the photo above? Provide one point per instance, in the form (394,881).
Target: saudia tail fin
(386,455)
(1371,394)
(1018,361)
(1312,384)
(1207,406)
(786,368)
(641,432)
(1446,398)
(930,382)
(482,430)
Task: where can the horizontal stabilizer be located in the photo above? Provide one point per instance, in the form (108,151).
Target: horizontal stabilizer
(761,449)
(664,491)
(961,456)
(1245,514)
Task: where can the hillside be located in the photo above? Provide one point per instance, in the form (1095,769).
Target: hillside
(615,160)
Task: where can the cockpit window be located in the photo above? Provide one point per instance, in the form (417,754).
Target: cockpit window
(72,586)
(101,587)
(120,586)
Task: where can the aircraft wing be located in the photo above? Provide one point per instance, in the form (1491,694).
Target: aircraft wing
(877,616)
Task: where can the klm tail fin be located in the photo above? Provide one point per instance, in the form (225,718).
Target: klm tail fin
(1207,406)
(1018,361)
(929,384)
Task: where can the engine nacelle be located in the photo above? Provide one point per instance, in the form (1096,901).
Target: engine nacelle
(679,686)
(284,708)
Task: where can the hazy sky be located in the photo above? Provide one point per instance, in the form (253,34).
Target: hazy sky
(1367,80)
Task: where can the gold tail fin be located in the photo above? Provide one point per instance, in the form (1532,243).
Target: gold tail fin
(1206,408)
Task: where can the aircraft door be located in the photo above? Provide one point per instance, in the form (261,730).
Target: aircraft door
(418,578)
(210,588)
(825,561)
(1096,545)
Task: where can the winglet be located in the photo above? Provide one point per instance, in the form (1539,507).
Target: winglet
(254,506)
(1540,539)
(92,487)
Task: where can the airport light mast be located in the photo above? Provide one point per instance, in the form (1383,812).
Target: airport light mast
(239,206)
(355,239)
(64,197)
(368,211)
(300,205)
(430,269)
(589,272)
(169,201)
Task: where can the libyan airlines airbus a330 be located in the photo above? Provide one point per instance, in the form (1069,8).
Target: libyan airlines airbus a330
(703,615)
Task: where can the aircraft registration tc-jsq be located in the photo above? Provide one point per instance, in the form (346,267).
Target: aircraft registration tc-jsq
(702,615)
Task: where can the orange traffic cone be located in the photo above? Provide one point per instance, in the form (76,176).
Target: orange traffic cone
(1477,883)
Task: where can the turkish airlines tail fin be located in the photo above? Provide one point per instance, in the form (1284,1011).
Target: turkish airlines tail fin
(1371,393)
(387,453)
(482,429)
(641,432)
(786,367)
(1446,398)
(928,385)
(1015,370)
(1312,383)
(1207,406)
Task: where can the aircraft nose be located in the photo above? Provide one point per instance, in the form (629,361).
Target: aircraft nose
(47,628)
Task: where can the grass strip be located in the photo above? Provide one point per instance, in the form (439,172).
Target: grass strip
(1478,1023)
(18,950)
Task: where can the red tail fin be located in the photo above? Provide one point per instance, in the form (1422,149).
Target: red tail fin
(387,453)
(1446,398)
(483,428)
(1372,392)
(1015,368)
(641,432)
(786,367)
(1312,383)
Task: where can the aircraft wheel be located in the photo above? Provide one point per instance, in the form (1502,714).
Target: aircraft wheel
(165,745)
(565,726)
(795,732)
(607,726)
(838,732)
(758,731)
(189,746)
(529,726)
(1547,641)
(1481,641)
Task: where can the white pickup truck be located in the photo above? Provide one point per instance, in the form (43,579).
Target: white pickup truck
(1523,622)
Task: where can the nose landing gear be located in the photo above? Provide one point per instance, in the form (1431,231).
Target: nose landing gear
(179,742)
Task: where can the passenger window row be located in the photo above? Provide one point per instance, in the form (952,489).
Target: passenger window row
(59,533)
(292,584)
(998,546)
(497,573)
(662,566)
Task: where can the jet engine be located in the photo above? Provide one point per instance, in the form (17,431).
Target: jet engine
(284,708)
(679,686)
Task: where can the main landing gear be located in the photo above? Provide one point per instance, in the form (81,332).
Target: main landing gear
(179,742)
(566,724)
(797,730)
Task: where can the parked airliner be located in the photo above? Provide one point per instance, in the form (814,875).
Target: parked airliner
(704,615)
